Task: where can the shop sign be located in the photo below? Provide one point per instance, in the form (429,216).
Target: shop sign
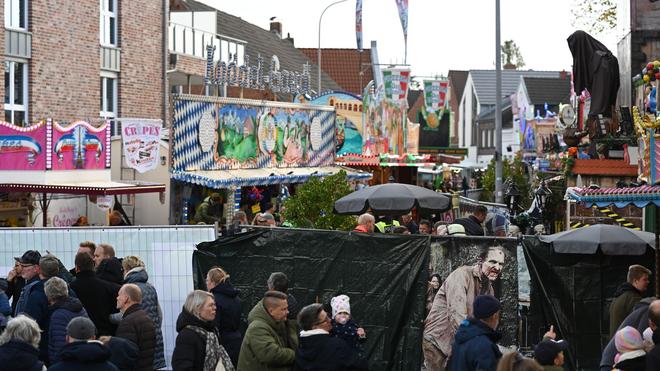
(141,142)
(256,76)
(453,151)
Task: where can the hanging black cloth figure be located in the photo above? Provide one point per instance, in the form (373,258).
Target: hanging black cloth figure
(594,69)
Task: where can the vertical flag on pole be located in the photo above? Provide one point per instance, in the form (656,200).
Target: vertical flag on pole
(358,23)
(402,5)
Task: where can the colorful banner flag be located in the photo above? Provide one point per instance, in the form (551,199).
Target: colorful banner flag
(396,82)
(435,94)
(358,23)
(141,139)
(402,5)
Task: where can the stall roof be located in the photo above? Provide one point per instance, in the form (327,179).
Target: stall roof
(259,177)
(619,197)
(100,188)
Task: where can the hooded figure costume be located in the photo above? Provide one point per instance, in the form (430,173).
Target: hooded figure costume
(594,69)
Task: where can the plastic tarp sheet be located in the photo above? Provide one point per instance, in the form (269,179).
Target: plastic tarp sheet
(384,275)
(573,292)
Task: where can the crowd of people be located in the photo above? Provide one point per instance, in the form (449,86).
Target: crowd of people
(496,225)
(103,314)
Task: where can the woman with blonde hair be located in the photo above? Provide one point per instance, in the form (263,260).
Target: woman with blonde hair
(197,345)
(136,273)
(228,311)
(515,361)
(19,345)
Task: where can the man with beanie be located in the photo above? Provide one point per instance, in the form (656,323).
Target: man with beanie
(628,295)
(475,344)
(82,351)
(549,353)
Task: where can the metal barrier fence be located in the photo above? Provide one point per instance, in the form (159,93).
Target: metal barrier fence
(166,251)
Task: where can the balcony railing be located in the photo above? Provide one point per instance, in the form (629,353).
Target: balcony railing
(192,41)
(18,43)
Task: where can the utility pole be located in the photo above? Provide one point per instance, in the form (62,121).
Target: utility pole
(498,106)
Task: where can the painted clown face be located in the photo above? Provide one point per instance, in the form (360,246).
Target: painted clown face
(492,266)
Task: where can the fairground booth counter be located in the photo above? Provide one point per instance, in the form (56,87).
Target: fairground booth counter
(249,151)
(45,162)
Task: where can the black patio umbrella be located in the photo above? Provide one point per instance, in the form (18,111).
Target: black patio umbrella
(612,240)
(392,199)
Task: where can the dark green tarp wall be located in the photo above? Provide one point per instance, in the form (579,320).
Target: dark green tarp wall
(573,292)
(385,276)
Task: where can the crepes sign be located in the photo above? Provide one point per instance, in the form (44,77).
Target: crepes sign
(141,141)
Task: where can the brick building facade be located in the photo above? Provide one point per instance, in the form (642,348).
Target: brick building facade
(82,60)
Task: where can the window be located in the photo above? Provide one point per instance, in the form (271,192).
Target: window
(108,97)
(16,87)
(16,14)
(108,23)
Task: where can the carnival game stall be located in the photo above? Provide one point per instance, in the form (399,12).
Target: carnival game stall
(49,158)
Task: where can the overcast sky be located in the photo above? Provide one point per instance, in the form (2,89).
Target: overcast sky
(442,34)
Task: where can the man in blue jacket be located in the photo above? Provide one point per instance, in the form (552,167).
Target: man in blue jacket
(36,302)
(475,344)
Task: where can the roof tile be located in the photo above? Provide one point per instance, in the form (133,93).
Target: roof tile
(350,68)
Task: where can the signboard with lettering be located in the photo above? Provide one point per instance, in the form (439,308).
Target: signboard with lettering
(141,142)
(256,76)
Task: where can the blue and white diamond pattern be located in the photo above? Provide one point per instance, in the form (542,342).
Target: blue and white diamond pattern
(187,153)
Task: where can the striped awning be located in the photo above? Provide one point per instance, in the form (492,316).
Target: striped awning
(218,179)
(619,197)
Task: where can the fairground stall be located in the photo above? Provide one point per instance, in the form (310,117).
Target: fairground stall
(249,151)
(41,163)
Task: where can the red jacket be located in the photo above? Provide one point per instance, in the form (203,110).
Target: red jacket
(361,228)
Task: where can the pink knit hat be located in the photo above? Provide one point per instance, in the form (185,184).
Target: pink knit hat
(628,339)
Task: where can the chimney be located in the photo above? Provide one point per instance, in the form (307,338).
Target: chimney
(289,38)
(276,26)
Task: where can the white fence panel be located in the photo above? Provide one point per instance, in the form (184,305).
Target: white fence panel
(166,250)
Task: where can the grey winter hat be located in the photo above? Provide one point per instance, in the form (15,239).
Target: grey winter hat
(81,328)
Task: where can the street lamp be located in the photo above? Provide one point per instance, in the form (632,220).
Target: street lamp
(319,49)
(512,196)
(542,194)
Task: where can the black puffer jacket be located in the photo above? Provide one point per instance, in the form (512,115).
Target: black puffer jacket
(228,318)
(137,327)
(111,270)
(19,356)
(190,348)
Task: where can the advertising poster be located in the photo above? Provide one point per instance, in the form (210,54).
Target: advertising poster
(141,142)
